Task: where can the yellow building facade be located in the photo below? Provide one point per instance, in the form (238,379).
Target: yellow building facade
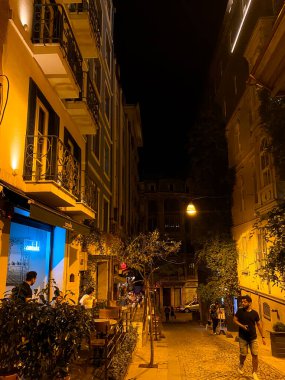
(258,186)
(57,128)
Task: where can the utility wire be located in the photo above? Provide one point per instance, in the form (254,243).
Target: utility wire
(7,96)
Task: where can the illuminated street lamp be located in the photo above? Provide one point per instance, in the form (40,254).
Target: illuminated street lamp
(191,209)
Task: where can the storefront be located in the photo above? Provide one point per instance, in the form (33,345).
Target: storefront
(38,239)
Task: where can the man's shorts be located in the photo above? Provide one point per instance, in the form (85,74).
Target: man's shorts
(243,346)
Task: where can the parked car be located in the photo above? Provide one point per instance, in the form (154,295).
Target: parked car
(191,306)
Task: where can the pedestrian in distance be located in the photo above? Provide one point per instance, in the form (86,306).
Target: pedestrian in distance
(214,315)
(167,312)
(247,319)
(23,292)
(88,300)
(172,313)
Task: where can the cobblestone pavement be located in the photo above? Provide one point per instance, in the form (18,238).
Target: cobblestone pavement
(203,356)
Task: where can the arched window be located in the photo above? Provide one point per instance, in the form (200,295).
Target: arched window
(265,163)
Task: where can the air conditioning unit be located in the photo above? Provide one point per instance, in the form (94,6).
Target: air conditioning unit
(83,261)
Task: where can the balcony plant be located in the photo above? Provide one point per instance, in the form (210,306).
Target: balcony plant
(39,340)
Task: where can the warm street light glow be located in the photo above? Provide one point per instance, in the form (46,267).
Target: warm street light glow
(191,209)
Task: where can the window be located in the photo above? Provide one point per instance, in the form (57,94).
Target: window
(261,250)
(95,71)
(265,163)
(40,141)
(152,223)
(105,215)
(152,207)
(107,104)
(266,311)
(108,52)
(107,159)
(95,144)
(99,12)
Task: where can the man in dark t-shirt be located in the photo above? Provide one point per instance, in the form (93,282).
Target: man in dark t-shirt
(247,319)
(23,292)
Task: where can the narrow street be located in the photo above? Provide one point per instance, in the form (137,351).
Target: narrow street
(190,352)
(202,355)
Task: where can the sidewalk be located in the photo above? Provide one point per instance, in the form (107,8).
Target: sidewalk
(167,364)
(168,367)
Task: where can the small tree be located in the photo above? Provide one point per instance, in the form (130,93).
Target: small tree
(219,256)
(273,227)
(143,253)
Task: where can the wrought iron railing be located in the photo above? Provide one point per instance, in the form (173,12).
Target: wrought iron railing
(48,159)
(89,192)
(90,7)
(92,99)
(50,26)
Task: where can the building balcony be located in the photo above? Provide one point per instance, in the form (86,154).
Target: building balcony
(86,27)
(87,206)
(269,69)
(56,50)
(85,110)
(51,172)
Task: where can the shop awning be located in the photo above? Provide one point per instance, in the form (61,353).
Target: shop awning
(46,215)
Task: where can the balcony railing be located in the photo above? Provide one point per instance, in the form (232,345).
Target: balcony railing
(92,100)
(48,159)
(89,192)
(90,7)
(51,26)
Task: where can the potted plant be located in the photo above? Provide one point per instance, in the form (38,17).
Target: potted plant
(39,339)
(277,339)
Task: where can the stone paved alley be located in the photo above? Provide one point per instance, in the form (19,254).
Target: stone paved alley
(190,352)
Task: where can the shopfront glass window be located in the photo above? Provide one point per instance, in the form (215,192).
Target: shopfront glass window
(29,250)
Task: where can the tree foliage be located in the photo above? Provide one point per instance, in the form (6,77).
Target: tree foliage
(99,242)
(272,225)
(220,257)
(145,251)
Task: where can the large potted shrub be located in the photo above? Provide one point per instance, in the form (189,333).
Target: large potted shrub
(277,339)
(39,340)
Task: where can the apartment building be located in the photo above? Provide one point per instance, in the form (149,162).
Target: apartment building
(163,206)
(58,141)
(246,60)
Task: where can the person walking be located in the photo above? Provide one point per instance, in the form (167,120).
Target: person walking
(172,313)
(214,315)
(167,312)
(247,319)
(23,292)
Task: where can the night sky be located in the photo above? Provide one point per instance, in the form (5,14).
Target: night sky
(164,49)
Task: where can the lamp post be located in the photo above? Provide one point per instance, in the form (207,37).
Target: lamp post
(192,212)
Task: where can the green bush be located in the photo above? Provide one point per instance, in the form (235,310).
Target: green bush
(123,357)
(279,327)
(40,340)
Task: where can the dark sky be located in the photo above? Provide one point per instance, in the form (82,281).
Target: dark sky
(164,49)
